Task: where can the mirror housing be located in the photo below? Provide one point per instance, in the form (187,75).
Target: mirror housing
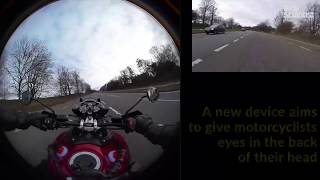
(26,97)
(153,94)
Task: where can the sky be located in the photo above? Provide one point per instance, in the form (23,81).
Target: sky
(96,37)
(252,12)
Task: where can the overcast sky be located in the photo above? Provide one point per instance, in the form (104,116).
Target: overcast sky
(252,12)
(97,37)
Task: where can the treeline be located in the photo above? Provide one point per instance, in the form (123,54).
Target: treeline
(308,26)
(28,65)
(69,82)
(163,67)
(206,15)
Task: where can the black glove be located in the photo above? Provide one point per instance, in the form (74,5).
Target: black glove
(44,120)
(138,122)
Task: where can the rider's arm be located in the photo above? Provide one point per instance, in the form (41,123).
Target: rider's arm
(164,135)
(10,120)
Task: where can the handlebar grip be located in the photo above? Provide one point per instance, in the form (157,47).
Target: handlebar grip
(62,118)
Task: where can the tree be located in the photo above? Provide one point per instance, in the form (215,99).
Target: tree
(194,15)
(143,65)
(286,27)
(205,6)
(212,11)
(280,18)
(124,77)
(29,66)
(230,23)
(65,80)
(76,81)
(3,86)
(313,11)
(263,26)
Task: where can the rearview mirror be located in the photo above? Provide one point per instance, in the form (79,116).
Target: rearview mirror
(153,94)
(26,97)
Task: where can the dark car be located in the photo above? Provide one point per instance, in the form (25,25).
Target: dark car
(215,29)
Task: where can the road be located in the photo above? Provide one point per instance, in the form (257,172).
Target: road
(32,143)
(249,51)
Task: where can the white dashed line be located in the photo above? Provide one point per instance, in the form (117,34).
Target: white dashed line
(112,95)
(236,40)
(196,62)
(170,92)
(241,37)
(169,100)
(114,110)
(305,48)
(220,48)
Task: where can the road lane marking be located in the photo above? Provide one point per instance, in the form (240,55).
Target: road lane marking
(196,62)
(117,112)
(236,40)
(241,37)
(178,91)
(169,100)
(113,95)
(220,48)
(305,48)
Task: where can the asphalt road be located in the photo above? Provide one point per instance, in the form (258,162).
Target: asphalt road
(250,51)
(32,143)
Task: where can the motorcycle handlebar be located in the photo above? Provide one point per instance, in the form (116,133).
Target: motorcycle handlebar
(66,121)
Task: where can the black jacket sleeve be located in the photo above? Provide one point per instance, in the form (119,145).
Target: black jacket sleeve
(164,135)
(10,120)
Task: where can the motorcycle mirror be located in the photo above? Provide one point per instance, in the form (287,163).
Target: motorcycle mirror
(153,94)
(26,97)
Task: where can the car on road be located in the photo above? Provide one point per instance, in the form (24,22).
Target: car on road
(243,29)
(215,29)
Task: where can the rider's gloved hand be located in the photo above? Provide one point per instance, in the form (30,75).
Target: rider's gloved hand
(44,121)
(138,122)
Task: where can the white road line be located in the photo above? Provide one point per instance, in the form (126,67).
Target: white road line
(170,92)
(112,95)
(241,37)
(236,40)
(220,48)
(169,100)
(305,48)
(196,62)
(117,112)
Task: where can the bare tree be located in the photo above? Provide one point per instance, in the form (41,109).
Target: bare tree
(65,80)
(3,86)
(164,53)
(205,6)
(280,18)
(28,66)
(212,11)
(194,15)
(76,81)
(230,23)
(313,17)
